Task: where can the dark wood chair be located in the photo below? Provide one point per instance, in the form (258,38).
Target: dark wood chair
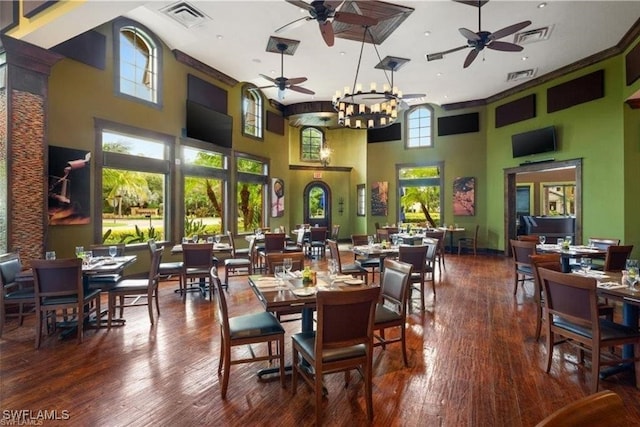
(439,235)
(238,263)
(274,259)
(256,328)
(343,342)
(12,291)
(317,241)
(391,310)
(166,270)
(528,238)
(139,292)
(352,268)
(602,409)
(197,261)
(59,287)
(273,242)
(370,264)
(616,257)
(523,271)
(416,256)
(469,242)
(571,315)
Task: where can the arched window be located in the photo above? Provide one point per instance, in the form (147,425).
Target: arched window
(419,126)
(137,57)
(311,142)
(251,111)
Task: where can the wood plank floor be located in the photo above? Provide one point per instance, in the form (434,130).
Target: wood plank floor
(473,362)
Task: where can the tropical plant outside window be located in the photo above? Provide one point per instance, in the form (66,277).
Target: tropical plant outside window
(251,111)
(420,189)
(419,126)
(252,175)
(204,183)
(133,188)
(138,64)
(317,202)
(311,142)
(559,199)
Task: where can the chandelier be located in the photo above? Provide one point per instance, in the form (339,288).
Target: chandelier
(360,108)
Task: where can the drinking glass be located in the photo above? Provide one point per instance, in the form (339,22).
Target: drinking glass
(394,240)
(217,239)
(278,274)
(210,239)
(50,255)
(370,240)
(287,263)
(195,238)
(585,265)
(542,239)
(79,251)
(333,272)
(591,245)
(560,242)
(113,251)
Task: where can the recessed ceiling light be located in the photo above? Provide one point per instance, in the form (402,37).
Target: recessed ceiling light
(524,58)
(256,60)
(541,5)
(439,74)
(273,71)
(219,36)
(427,33)
(342,53)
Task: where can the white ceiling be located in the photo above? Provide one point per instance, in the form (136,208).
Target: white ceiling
(234,41)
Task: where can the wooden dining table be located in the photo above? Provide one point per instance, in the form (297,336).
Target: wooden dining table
(292,296)
(376,251)
(566,254)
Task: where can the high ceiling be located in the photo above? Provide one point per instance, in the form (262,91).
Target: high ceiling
(233,37)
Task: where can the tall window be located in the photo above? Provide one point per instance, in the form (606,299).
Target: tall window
(137,62)
(204,189)
(134,172)
(251,184)
(251,111)
(419,126)
(420,189)
(311,142)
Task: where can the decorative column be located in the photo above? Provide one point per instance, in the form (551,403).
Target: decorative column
(23,146)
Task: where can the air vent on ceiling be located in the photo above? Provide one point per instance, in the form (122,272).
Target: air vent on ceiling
(532,36)
(185,13)
(521,75)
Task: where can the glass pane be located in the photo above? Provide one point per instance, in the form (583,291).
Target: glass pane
(250,203)
(132,206)
(203,204)
(193,156)
(420,202)
(251,166)
(317,203)
(117,143)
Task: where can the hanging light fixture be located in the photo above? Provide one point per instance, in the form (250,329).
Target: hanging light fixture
(374,108)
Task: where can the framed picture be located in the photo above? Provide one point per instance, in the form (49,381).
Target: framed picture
(464,198)
(277,197)
(379,198)
(69,186)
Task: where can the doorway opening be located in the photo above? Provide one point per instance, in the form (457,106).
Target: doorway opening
(516,195)
(317,204)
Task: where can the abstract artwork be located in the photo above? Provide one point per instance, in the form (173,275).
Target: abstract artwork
(464,199)
(379,198)
(277,197)
(69,191)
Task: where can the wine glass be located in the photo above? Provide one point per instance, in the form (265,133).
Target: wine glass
(79,251)
(278,274)
(217,239)
(195,238)
(542,239)
(585,265)
(113,251)
(287,263)
(333,272)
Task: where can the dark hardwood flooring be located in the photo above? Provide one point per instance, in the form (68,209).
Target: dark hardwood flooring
(473,361)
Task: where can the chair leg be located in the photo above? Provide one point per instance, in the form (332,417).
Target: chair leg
(80,320)
(38,327)
(549,349)
(368,392)
(226,367)
(150,305)
(403,342)
(539,322)
(281,359)
(595,368)
(318,392)
(111,308)
(294,372)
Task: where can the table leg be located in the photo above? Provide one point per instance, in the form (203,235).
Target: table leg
(630,315)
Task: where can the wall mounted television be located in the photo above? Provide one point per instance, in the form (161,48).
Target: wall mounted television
(534,142)
(208,125)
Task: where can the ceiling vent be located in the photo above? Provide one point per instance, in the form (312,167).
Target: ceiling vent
(521,75)
(186,14)
(532,36)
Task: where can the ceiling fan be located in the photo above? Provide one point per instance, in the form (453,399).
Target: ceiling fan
(324,12)
(481,39)
(283,83)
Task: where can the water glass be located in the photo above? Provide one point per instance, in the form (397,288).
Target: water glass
(333,272)
(287,264)
(79,251)
(195,238)
(278,274)
(210,239)
(560,242)
(370,240)
(585,265)
(50,255)
(217,239)
(542,239)
(113,251)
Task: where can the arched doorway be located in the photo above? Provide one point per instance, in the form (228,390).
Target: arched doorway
(317,204)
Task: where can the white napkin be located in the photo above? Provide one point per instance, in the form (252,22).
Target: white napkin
(611,285)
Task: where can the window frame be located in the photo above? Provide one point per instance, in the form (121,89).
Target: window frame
(407,125)
(251,91)
(136,163)
(424,181)
(118,25)
(302,143)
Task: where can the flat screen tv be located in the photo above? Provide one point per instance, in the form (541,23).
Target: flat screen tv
(534,142)
(209,125)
